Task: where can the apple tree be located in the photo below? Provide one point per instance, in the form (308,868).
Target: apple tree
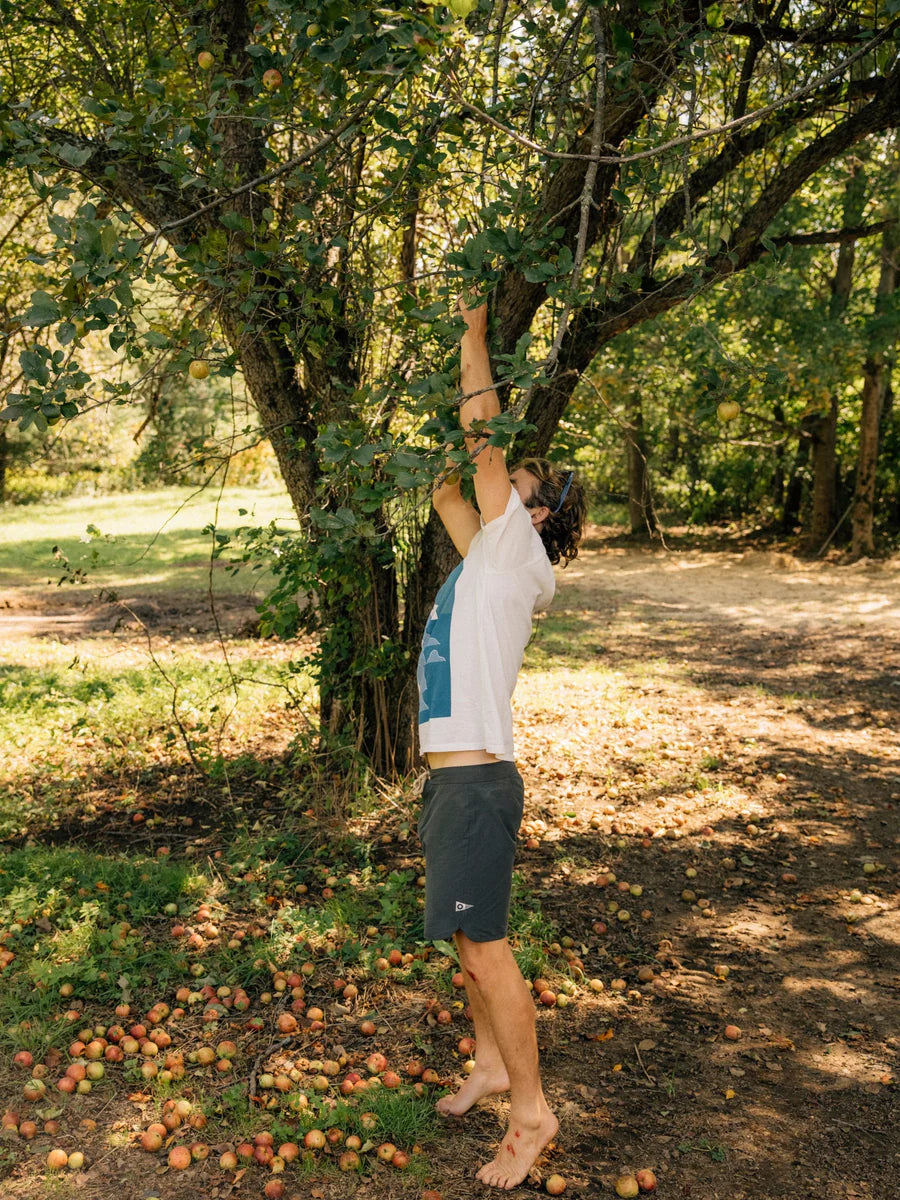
(296,192)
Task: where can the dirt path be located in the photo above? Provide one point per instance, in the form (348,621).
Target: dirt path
(726,724)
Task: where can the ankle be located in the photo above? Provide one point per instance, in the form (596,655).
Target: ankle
(530,1114)
(490,1064)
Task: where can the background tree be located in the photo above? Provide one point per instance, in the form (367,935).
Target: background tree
(315,183)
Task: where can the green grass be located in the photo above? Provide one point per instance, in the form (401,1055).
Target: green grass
(147,540)
(57,718)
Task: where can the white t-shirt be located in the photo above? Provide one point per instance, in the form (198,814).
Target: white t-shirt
(476,636)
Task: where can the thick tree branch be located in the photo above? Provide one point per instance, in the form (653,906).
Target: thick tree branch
(671,216)
(695,135)
(594,327)
(772,32)
(828,237)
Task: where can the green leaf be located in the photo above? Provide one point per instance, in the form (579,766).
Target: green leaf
(44,310)
(74,156)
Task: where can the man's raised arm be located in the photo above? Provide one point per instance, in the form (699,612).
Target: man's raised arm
(492,486)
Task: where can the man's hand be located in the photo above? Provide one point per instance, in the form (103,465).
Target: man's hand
(476,319)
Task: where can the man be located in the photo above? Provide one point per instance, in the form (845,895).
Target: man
(472,803)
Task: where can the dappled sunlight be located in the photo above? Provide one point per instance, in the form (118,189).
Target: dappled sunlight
(756,588)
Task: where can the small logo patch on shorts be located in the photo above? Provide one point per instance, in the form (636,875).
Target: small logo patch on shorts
(460,907)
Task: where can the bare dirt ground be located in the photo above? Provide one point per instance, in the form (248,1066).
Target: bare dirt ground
(709,740)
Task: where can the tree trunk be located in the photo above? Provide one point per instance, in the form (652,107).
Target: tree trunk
(436,559)
(4,458)
(640,501)
(778,475)
(271,377)
(359,668)
(796,484)
(824,437)
(824,488)
(876,375)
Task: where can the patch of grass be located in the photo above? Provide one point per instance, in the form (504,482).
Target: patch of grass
(58,718)
(403,1117)
(88,920)
(151,540)
(716,1152)
(530,931)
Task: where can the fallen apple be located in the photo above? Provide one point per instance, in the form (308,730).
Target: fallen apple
(180,1158)
(627,1186)
(555,1185)
(646,1180)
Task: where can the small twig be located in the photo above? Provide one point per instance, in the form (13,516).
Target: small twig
(265,1053)
(174,686)
(643,1068)
(831,535)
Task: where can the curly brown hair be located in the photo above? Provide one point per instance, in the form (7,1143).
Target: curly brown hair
(561,492)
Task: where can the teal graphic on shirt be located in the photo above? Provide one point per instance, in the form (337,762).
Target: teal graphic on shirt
(433,671)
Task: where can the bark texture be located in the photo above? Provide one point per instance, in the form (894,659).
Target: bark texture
(876,379)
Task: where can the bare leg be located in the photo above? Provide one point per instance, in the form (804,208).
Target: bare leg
(489,1077)
(510,1010)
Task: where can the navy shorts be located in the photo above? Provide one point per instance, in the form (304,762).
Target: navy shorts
(468,826)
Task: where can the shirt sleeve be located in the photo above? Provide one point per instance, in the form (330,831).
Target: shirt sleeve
(510,540)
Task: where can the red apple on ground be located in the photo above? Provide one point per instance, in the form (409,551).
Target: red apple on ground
(646,1180)
(180,1158)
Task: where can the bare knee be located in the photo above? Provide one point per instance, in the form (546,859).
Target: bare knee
(481,961)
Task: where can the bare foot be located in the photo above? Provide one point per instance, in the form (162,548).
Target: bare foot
(479,1084)
(519,1151)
